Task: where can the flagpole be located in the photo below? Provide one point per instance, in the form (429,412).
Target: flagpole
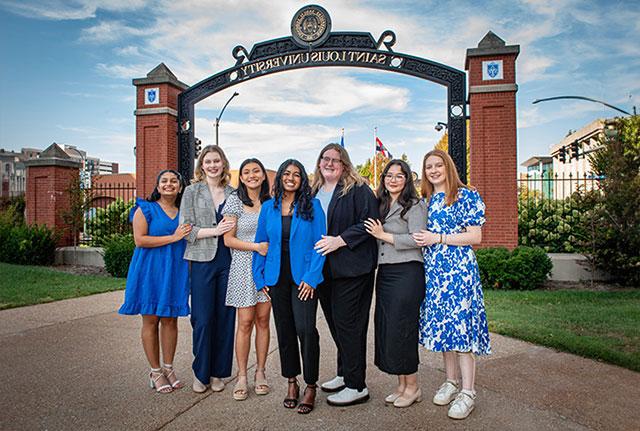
(375,165)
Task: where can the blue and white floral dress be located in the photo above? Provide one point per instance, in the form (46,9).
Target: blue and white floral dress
(452,316)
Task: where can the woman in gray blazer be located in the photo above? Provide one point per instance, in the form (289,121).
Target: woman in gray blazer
(399,281)
(212,320)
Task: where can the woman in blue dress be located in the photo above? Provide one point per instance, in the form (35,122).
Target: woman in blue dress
(452,319)
(157,282)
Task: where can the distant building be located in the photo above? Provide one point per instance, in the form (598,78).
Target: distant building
(13,174)
(539,174)
(568,168)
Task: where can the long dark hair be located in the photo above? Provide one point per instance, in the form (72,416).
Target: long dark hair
(302,198)
(243,194)
(155,194)
(408,196)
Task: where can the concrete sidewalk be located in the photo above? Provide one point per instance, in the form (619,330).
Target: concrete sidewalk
(78,365)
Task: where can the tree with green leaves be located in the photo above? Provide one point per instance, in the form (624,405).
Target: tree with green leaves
(616,215)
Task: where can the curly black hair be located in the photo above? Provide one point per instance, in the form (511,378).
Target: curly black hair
(155,194)
(242,188)
(302,198)
(408,197)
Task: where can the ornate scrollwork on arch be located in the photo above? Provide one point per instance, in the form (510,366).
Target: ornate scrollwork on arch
(240,54)
(387,44)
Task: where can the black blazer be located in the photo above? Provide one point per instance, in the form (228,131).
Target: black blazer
(345,217)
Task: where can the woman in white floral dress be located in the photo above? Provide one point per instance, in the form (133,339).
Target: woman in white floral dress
(252,306)
(453,319)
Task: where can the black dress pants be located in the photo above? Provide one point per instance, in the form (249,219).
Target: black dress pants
(295,320)
(346,303)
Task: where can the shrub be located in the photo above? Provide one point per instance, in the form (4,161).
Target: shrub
(12,210)
(109,222)
(27,245)
(492,263)
(558,226)
(525,268)
(118,252)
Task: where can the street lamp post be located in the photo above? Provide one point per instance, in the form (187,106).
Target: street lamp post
(221,112)
(585,98)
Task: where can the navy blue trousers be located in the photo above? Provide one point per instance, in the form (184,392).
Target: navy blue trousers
(212,321)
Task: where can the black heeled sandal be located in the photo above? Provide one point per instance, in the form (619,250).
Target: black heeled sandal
(306,408)
(291,403)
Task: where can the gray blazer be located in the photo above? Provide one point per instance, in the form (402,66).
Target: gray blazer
(197,210)
(404,248)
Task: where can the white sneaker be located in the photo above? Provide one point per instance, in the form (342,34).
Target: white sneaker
(463,405)
(446,393)
(348,397)
(334,385)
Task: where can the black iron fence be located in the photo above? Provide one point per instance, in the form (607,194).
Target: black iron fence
(106,210)
(554,210)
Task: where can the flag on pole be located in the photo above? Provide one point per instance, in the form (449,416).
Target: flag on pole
(342,138)
(382,149)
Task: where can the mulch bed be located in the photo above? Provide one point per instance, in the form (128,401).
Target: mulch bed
(81,270)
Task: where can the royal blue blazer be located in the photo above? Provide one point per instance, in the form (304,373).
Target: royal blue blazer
(306,263)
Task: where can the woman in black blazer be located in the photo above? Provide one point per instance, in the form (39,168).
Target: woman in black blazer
(345,295)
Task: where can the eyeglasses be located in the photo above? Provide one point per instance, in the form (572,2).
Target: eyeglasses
(398,177)
(328,160)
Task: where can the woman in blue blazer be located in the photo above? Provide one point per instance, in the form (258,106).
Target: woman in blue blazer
(292,222)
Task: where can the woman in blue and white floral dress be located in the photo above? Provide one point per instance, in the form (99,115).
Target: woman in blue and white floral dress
(452,319)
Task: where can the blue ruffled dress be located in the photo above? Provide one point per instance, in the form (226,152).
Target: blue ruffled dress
(158,278)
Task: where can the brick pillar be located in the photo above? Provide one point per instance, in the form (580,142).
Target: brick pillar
(494,166)
(48,181)
(156,126)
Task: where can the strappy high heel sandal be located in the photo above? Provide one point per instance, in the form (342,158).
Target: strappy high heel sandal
(170,374)
(159,382)
(306,408)
(261,387)
(291,403)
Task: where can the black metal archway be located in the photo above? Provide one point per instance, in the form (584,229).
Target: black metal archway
(312,44)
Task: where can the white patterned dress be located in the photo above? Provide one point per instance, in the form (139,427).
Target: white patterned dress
(452,316)
(241,290)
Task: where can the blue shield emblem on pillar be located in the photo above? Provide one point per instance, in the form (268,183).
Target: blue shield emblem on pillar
(151,95)
(493,69)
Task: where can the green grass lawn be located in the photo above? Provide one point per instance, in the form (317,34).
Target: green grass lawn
(603,325)
(27,285)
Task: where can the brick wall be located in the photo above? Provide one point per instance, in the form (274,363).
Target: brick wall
(47,198)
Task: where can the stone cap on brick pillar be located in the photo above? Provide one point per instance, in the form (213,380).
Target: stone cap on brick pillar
(490,45)
(160,75)
(54,155)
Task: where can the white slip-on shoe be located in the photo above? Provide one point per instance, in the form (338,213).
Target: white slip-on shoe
(217,384)
(446,393)
(348,397)
(463,405)
(334,385)
(198,386)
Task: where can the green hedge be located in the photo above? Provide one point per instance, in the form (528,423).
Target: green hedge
(524,268)
(27,245)
(118,252)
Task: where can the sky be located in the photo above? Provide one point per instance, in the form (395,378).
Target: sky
(66,69)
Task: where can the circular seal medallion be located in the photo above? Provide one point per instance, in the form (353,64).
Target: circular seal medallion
(310,26)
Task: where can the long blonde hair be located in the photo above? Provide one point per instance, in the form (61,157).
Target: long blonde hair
(452,179)
(350,176)
(199,174)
